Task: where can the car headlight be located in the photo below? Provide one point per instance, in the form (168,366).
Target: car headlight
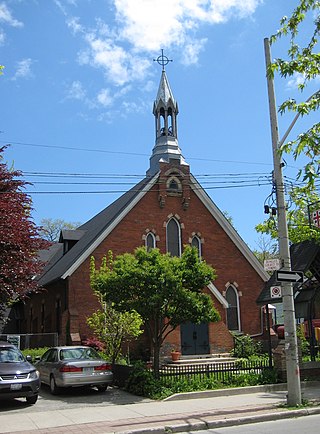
(34,375)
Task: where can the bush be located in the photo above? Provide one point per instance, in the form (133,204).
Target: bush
(141,381)
(34,352)
(245,347)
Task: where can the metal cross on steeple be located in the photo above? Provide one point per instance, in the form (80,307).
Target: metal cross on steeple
(162,60)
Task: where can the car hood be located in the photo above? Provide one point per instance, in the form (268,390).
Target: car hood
(16,368)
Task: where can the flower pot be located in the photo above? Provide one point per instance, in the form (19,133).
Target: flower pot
(175,355)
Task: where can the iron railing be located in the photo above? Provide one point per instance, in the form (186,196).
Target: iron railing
(220,371)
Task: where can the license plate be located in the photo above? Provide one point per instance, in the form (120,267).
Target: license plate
(16,386)
(87,370)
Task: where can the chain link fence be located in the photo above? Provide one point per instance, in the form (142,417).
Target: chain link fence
(31,340)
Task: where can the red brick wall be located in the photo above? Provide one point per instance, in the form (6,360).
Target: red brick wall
(217,249)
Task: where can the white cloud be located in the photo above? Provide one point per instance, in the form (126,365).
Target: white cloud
(7,18)
(148,25)
(296,79)
(124,52)
(2,37)
(76,91)
(119,65)
(105,98)
(23,69)
(192,50)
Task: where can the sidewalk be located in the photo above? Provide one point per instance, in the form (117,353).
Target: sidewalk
(182,412)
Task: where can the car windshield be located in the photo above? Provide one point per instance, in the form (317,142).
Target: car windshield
(10,355)
(78,353)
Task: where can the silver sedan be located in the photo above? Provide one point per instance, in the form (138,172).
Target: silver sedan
(74,366)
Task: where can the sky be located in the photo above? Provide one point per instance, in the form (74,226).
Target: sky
(79,83)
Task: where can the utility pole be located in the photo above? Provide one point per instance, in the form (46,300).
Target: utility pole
(291,344)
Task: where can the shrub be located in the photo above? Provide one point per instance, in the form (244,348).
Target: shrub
(244,346)
(94,342)
(34,352)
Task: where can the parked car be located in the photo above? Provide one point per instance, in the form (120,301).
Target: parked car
(74,366)
(18,377)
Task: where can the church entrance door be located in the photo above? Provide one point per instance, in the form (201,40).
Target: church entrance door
(194,338)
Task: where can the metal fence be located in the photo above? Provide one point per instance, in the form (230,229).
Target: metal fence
(31,340)
(222,372)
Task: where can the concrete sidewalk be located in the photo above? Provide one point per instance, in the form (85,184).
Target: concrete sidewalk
(183,412)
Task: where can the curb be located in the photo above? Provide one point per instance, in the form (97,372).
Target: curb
(220,423)
(237,391)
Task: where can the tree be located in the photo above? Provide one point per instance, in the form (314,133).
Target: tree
(267,248)
(50,228)
(299,228)
(305,62)
(166,291)
(19,239)
(114,328)
(1,69)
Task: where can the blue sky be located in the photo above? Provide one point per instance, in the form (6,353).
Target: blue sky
(79,85)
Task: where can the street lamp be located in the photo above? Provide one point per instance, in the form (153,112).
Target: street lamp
(291,344)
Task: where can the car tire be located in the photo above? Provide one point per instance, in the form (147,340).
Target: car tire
(102,388)
(54,389)
(32,399)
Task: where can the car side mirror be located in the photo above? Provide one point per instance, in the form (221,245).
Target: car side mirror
(29,358)
(37,358)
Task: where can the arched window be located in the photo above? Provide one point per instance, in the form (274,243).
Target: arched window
(195,242)
(233,318)
(150,241)
(173,237)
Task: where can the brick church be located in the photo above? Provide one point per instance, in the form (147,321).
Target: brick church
(167,209)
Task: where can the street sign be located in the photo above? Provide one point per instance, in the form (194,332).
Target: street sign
(289,276)
(271,264)
(275,292)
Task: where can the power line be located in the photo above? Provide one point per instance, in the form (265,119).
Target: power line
(70,148)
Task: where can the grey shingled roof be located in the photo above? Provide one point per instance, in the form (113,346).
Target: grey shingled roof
(59,263)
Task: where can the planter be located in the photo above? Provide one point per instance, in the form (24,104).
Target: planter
(175,355)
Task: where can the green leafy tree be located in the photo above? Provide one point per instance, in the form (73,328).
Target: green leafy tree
(299,228)
(267,248)
(50,228)
(1,69)
(303,61)
(114,328)
(166,291)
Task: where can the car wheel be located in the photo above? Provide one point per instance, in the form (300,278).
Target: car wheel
(54,389)
(102,388)
(32,399)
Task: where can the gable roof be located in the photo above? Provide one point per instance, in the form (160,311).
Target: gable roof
(93,232)
(228,228)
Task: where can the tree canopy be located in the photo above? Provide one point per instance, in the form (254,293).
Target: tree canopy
(50,228)
(299,228)
(303,62)
(19,239)
(166,291)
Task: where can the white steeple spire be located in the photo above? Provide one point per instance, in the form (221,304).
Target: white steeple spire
(165,110)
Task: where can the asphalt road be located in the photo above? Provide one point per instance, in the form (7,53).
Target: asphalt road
(74,398)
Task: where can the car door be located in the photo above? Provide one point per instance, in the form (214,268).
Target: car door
(46,365)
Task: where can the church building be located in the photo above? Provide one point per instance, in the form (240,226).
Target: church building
(168,209)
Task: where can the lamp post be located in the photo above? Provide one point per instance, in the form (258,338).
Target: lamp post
(291,344)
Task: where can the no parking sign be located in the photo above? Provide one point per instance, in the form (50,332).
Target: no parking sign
(275,291)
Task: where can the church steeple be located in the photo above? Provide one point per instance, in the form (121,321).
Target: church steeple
(165,110)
